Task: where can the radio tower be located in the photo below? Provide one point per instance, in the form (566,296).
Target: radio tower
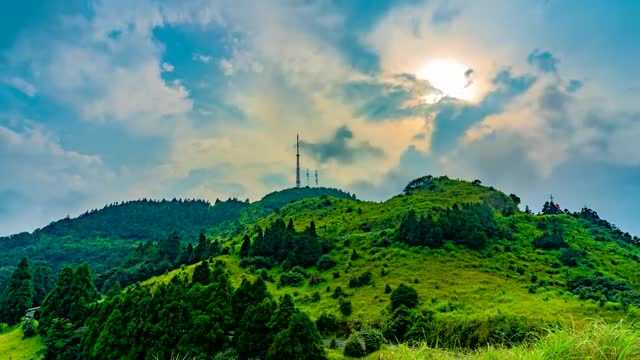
(308,178)
(316,178)
(297,161)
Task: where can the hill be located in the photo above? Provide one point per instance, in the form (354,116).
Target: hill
(104,237)
(446,263)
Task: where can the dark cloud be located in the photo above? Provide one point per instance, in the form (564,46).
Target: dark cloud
(454,117)
(543,61)
(382,101)
(469,75)
(341,148)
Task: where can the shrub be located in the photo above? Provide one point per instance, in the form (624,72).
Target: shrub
(404,295)
(29,328)
(387,289)
(337,292)
(362,280)
(299,270)
(326,323)
(363,343)
(571,257)
(355,347)
(345,307)
(315,279)
(325,262)
(291,279)
(258,262)
(336,274)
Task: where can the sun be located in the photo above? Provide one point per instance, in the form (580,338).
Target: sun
(452,78)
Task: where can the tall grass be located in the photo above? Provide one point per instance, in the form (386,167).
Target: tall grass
(597,341)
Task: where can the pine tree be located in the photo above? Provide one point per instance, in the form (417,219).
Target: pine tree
(112,341)
(42,283)
(170,247)
(300,341)
(202,273)
(245,249)
(254,330)
(280,319)
(18,294)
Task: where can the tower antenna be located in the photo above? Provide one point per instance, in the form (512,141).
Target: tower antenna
(308,178)
(297,161)
(316,178)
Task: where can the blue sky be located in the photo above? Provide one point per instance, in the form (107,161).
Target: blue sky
(103,101)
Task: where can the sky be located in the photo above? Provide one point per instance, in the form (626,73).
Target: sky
(105,101)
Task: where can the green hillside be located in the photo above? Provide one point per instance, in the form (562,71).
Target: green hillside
(104,237)
(447,264)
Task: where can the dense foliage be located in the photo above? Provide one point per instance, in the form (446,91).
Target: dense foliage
(17,297)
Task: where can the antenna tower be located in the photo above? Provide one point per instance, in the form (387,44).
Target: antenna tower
(316,178)
(307,177)
(297,161)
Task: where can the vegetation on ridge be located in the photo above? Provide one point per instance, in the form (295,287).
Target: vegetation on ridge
(448,267)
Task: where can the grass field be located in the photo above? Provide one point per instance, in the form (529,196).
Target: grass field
(13,347)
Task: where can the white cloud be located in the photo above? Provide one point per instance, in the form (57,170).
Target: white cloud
(202,58)
(167,67)
(21,85)
(226,67)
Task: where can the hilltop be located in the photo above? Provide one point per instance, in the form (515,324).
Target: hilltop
(103,237)
(445,263)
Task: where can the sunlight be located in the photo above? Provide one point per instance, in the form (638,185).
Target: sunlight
(450,77)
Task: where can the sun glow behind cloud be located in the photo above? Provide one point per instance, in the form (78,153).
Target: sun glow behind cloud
(452,78)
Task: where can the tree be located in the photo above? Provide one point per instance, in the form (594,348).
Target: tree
(43,282)
(404,295)
(245,249)
(112,341)
(515,198)
(409,232)
(300,341)
(170,247)
(280,319)
(202,273)
(17,296)
(254,330)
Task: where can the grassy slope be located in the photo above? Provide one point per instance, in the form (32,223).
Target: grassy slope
(470,282)
(13,347)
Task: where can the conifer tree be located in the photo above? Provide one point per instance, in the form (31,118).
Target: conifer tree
(300,341)
(254,330)
(17,296)
(202,273)
(111,341)
(245,249)
(43,283)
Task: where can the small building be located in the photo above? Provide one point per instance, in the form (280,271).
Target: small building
(31,313)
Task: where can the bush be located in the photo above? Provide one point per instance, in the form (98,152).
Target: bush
(29,328)
(291,279)
(337,292)
(404,295)
(336,274)
(355,347)
(363,343)
(325,262)
(362,280)
(345,307)
(315,279)
(299,270)
(387,289)
(571,257)
(258,262)
(326,323)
